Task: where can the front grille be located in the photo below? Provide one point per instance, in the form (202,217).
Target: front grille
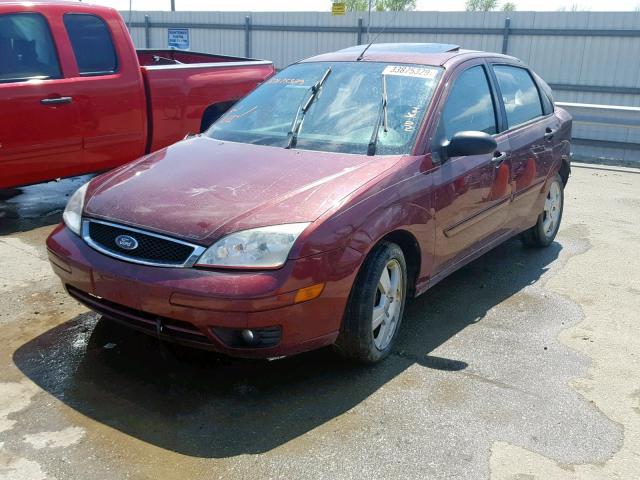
(165,328)
(150,248)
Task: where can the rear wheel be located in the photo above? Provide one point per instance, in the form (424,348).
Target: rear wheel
(544,231)
(376,306)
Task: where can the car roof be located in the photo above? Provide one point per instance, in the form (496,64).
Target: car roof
(417,53)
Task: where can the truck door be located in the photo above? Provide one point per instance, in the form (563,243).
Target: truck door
(108,90)
(40,135)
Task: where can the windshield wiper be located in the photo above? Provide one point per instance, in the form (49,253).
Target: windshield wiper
(292,136)
(382,119)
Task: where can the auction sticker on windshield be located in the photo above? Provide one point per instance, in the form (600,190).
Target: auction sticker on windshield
(410,71)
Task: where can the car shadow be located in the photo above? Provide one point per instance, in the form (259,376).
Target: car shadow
(205,405)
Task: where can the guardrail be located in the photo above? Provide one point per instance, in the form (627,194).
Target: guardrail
(598,128)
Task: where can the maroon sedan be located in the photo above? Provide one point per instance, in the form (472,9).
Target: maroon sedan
(311,211)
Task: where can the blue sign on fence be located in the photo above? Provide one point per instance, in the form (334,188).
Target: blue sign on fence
(178,38)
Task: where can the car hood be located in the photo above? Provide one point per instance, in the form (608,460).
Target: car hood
(201,188)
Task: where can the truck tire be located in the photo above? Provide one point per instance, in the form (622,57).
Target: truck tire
(544,231)
(376,306)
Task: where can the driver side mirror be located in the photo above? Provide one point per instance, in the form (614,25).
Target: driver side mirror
(468,143)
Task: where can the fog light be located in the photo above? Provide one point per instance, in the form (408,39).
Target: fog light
(258,337)
(248,336)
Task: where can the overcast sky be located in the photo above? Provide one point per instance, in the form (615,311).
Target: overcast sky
(324,5)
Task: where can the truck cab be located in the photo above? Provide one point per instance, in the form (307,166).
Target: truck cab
(76,97)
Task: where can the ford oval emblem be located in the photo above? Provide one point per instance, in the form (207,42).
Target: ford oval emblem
(126,242)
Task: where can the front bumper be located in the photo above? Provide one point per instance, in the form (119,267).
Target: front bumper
(199,307)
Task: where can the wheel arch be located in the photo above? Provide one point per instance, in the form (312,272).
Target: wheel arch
(411,251)
(565,170)
(213,112)
(412,255)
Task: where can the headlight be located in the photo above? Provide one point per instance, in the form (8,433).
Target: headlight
(72,215)
(266,247)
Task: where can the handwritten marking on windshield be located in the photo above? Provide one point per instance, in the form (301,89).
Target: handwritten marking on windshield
(409,124)
(286,81)
(231,116)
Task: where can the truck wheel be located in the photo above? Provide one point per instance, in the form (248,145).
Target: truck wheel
(376,306)
(544,231)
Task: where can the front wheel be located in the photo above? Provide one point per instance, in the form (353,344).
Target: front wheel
(376,306)
(544,231)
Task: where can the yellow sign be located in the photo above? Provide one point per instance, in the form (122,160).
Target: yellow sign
(338,9)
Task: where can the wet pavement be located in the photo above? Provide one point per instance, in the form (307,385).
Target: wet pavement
(22,209)
(522,365)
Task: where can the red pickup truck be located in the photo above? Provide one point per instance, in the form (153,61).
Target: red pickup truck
(76,97)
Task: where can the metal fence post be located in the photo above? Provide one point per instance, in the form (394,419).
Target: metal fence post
(359,38)
(505,35)
(247,36)
(147,32)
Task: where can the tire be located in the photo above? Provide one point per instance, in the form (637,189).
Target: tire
(359,338)
(546,228)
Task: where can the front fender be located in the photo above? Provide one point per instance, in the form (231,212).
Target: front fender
(401,202)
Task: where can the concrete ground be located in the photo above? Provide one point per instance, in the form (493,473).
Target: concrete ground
(523,365)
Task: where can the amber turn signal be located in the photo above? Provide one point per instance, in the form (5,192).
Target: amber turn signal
(309,293)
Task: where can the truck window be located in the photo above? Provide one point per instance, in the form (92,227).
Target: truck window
(27,51)
(92,44)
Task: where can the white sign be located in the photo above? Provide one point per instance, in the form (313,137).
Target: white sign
(178,38)
(410,71)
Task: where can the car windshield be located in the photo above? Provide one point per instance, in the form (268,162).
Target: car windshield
(343,115)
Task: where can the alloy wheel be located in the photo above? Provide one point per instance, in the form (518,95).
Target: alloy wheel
(552,209)
(387,304)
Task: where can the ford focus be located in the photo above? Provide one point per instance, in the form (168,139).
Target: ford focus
(311,211)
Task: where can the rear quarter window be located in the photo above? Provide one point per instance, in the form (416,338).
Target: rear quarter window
(519,94)
(92,44)
(545,93)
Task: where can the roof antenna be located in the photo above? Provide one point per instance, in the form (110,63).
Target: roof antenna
(360,57)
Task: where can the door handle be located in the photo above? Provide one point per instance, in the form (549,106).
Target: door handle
(498,158)
(56,100)
(549,133)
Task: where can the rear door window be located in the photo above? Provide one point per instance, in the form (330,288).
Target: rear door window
(519,94)
(92,44)
(27,51)
(469,105)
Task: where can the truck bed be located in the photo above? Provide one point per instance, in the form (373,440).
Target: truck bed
(152,57)
(181,85)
